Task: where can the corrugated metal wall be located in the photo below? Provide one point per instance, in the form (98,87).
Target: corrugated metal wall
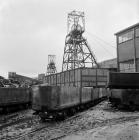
(126,51)
(14,96)
(85,77)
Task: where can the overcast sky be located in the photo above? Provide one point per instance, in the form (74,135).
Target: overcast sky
(30,30)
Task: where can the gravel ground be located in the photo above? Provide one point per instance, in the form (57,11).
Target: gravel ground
(99,122)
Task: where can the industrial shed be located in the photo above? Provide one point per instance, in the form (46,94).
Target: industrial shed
(128,49)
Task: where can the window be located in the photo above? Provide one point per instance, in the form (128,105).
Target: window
(125,37)
(127,66)
(137,32)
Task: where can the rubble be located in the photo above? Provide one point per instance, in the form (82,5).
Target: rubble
(98,123)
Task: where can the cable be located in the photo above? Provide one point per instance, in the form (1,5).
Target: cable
(95,42)
(101,39)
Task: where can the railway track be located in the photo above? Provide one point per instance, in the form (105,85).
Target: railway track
(74,124)
(48,127)
(101,123)
(98,123)
(14,118)
(19,117)
(52,126)
(4,118)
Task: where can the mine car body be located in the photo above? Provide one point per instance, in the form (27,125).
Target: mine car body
(53,100)
(69,91)
(14,97)
(124,89)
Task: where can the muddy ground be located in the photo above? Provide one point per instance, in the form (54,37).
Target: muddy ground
(101,122)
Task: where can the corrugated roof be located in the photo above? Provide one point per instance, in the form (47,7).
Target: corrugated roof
(128,28)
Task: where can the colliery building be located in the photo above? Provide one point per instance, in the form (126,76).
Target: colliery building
(24,80)
(111,63)
(128,49)
(41,77)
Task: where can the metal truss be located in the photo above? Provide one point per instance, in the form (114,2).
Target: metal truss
(77,52)
(51,67)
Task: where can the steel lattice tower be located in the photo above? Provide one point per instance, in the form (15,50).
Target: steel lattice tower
(51,67)
(77,52)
